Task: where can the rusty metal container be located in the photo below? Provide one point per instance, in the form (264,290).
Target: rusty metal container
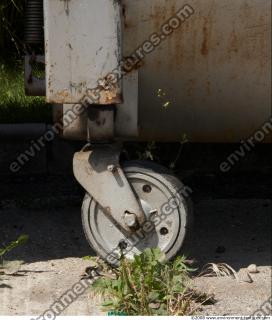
(215,69)
(209,79)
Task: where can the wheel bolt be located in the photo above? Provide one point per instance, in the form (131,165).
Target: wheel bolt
(130,219)
(112,168)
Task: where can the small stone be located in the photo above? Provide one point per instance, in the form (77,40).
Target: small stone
(252,268)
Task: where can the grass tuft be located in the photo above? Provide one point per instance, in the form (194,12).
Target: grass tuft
(218,270)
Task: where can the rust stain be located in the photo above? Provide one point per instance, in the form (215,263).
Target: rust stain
(191,87)
(206,38)
(60,97)
(112,96)
(109,91)
(234,42)
(208,87)
(109,97)
(124,12)
(158,16)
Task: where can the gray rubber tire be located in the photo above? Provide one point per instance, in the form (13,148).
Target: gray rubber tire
(175,187)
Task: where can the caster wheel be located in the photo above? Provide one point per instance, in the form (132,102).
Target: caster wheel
(167,208)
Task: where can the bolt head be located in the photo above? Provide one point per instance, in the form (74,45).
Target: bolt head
(131,220)
(112,168)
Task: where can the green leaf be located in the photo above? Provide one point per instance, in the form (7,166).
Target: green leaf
(107,303)
(87,258)
(21,240)
(153,295)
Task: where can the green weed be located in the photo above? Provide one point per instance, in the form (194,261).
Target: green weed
(148,285)
(11,267)
(21,240)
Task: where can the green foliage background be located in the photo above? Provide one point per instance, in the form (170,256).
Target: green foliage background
(15,107)
(11,28)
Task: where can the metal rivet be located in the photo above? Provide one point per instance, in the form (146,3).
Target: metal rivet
(123,245)
(164,231)
(147,188)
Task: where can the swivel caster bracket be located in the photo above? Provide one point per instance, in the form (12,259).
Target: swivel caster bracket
(98,171)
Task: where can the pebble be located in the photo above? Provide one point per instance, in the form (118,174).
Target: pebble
(252,268)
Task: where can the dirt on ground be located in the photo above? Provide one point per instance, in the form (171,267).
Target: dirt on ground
(232,231)
(232,224)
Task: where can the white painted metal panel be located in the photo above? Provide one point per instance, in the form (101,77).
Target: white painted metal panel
(83,45)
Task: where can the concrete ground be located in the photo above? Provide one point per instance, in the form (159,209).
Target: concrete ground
(232,225)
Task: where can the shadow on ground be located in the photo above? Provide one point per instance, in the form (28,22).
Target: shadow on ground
(226,230)
(237,232)
(232,216)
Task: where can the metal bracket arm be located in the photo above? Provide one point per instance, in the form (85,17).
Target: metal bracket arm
(99,172)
